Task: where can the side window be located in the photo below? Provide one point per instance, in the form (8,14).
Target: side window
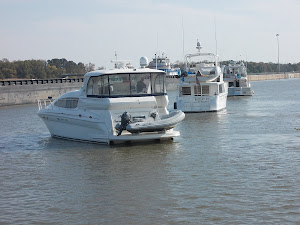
(197,90)
(186,91)
(140,84)
(98,86)
(90,85)
(70,103)
(205,90)
(119,84)
(60,103)
(158,83)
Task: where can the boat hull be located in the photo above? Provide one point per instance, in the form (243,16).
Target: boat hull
(240,91)
(95,130)
(202,103)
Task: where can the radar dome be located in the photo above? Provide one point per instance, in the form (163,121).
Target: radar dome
(144,61)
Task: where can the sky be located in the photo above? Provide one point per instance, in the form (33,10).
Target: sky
(94,31)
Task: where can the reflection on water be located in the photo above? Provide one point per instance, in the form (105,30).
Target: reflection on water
(236,166)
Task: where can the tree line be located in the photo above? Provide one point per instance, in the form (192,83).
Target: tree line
(55,68)
(41,69)
(259,67)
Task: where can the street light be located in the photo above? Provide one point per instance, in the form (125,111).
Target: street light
(277,35)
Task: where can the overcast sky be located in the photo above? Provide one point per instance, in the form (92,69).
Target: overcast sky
(92,30)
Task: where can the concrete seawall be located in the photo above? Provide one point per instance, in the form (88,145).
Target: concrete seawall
(29,91)
(16,92)
(258,77)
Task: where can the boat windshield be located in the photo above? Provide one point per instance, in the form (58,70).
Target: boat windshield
(126,85)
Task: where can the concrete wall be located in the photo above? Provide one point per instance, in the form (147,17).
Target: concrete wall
(21,92)
(258,77)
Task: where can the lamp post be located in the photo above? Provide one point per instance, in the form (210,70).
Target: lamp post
(277,35)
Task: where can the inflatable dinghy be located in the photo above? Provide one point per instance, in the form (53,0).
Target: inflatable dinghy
(166,122)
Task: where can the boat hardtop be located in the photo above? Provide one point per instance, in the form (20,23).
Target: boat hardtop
(204,71)
(121,71)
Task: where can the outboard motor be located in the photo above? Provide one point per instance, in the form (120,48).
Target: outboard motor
(125,120)
(154,115)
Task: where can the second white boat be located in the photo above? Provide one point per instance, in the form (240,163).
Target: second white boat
(202,88)
(235,73)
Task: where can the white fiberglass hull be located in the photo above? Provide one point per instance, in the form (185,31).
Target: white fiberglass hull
(70,127)
(202,103)
(240,91)
(95,130)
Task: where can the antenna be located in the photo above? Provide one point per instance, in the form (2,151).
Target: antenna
(198,46)
(246,62)
(182,39)
(216,37)
(115,61)
(157,42)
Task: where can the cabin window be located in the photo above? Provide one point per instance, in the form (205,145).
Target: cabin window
(158,84)
(126,85)
(200,90)
(119,84)
(140,84)
(70,103)
(98,86)
(60,103)
(186,90)
(205,90)
(197,90)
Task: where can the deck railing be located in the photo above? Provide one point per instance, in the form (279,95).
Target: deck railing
(44,103)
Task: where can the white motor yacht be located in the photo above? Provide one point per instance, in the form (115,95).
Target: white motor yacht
(236,75)
(201,88)
(118,105)
(172,73)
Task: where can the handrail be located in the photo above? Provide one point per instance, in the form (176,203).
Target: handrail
(44,103)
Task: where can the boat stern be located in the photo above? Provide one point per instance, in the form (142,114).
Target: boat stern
(240,91)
